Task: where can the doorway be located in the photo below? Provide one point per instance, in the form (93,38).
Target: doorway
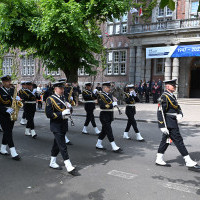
(195,81)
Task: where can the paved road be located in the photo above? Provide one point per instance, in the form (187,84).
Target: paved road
(104,175)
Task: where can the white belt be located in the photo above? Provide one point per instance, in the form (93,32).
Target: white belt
(88,101)
(130,104)
(173,114)
(30,102)
(108,110)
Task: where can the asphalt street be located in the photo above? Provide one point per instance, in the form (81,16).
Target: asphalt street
(105,175)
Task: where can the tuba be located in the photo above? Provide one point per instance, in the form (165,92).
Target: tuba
(16,105)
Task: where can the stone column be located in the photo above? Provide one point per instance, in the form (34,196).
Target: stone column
(132,65)
(138,64)
(148,70)
(175,73)
(168,69)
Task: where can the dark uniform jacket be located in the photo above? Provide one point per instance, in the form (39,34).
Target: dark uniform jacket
(5,101)
(48,93)
(88,95)
(105,103)
(53,110)
(130,101)
(27,96)
(170,107)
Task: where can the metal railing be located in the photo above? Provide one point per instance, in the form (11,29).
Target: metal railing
(164,26)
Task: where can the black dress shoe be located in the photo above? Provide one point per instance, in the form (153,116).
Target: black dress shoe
(69,143)
(166,165)
(84,133)
(118,150)
(57,168)
(195,168)
(16,158)
(1,130)
(74,172)
(103,149)
(141,140)
(34,137)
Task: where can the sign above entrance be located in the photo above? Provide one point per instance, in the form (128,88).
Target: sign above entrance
(173,51)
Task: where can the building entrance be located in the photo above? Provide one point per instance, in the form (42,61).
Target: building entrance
(195,80)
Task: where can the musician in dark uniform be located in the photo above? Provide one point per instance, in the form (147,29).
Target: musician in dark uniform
(67,90)
(169,113)
(89,97)
(29,98)
(6,98)
(130,99)
(58,112)
(21,93)
(106,103)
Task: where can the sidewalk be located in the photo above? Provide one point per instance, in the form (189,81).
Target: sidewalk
(147,112)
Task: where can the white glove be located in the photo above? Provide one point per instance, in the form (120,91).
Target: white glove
(34,91)
(10,111)
(17,98)
(69,105)
(94,91)
(71,98)
(179,117)
(114,103)
(165,131)
(66,112)
(133,93)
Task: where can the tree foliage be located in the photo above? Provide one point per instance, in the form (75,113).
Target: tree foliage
(64,34)
(169,3)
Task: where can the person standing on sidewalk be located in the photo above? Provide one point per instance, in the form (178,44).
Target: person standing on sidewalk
(169,113)
(89,97)
(130,99)
(106,104)
(57,111)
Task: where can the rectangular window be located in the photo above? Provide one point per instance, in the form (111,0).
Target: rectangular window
(24,61)
(32,70)
(116,56)
(159,68)
(124,28)
(110,29)
(161,12)
(169,11)
(11,61)
(122,68)
(117,29)
(28,70)
(28,61)
(110,57)
(116,20)
(81,71)
(109,69)
(32,61)
(24,70)
(116,69)
(123,56)
(58,72)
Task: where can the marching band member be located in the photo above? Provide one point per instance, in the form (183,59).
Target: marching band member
(21,94)
(89,97)
(130,99)
(169,113)
(57,111)
(29,97)
(6,98)
(106,104)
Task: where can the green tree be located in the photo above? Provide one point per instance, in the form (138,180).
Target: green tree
(63,34)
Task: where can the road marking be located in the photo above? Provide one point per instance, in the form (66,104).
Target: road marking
(42,156)
(181,187)
(122,174)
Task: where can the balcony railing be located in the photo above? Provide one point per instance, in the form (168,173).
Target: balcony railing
(164,26)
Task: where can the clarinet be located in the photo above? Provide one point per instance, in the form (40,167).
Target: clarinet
(70,116)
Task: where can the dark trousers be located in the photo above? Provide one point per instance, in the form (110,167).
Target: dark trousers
(30,120)
(39,104)
(147,98)
(176,137)
(130,113)
(90,117)
(7,127)
(23,115)
(59,145)
(155,97)
(106,119)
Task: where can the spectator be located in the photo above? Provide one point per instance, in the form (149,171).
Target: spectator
(155,92)
(147,91)
(99,88)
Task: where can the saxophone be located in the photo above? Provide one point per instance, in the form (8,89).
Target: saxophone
(72,102)
(16,105)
